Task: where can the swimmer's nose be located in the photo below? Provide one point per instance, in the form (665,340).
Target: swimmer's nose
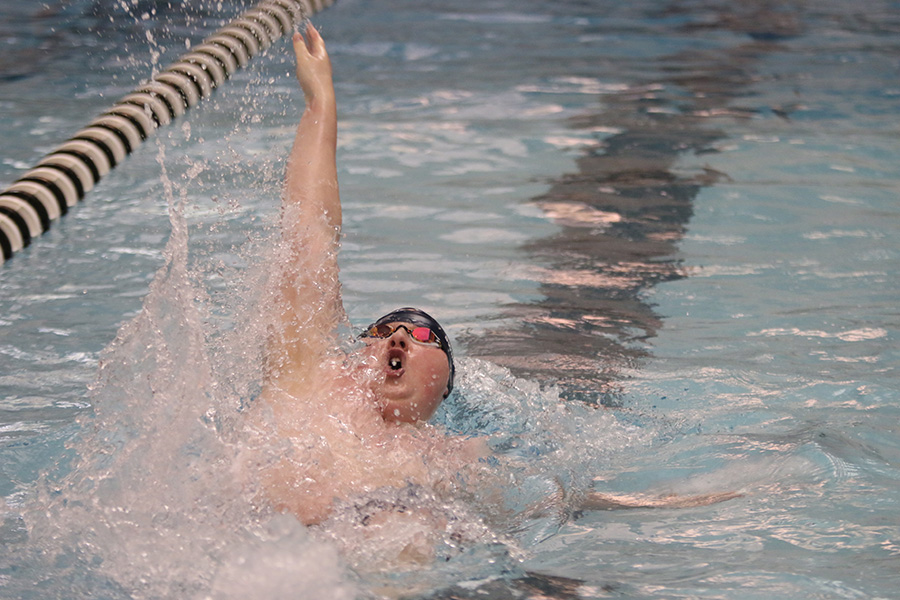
(399,338)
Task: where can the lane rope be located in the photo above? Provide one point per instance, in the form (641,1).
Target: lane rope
(62,178)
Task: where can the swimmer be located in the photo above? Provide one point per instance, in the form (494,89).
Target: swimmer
(351,423)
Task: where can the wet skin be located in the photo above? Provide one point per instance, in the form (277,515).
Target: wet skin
(412,376)
(331,426)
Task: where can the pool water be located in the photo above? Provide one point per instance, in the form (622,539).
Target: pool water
(663,235)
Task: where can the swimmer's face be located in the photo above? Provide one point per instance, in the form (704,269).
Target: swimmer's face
(411,377)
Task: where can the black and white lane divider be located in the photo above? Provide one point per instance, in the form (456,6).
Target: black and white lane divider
(63,177)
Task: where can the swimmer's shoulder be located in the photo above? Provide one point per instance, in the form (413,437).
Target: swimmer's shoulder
(476,448)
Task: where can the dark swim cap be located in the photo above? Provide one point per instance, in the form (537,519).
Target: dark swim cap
(420,318)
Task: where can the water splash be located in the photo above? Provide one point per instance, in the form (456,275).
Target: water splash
(152,504)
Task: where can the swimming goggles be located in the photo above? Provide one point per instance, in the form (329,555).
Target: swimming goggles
(422,335)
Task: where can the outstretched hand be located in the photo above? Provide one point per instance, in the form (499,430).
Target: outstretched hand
(313,66)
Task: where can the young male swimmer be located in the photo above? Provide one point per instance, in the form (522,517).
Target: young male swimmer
(350,423)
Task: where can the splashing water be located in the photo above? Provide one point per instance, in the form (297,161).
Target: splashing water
(154,504)
(766,340)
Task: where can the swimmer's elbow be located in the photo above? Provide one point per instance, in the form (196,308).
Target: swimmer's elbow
(309,513)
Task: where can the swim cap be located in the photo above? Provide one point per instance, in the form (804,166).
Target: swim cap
(420,318)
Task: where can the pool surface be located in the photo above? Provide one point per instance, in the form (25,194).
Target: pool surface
(663,235)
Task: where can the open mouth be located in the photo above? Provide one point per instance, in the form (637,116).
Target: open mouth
(395,360)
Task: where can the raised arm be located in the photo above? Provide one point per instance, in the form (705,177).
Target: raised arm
(308,304)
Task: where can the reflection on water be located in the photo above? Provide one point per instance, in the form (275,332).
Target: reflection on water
(624,212)
(782,407)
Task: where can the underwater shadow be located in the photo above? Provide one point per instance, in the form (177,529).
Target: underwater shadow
(623,213)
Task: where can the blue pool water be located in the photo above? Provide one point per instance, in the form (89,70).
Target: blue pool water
(664,236)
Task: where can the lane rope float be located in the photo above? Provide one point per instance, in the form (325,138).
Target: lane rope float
(62,178)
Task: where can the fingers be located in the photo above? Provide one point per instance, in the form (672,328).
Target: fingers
(300,51)
(314,42)
(313,65)
(311,46)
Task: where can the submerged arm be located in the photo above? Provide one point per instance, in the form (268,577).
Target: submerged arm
(598,501)
(308,298)
(556,505)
